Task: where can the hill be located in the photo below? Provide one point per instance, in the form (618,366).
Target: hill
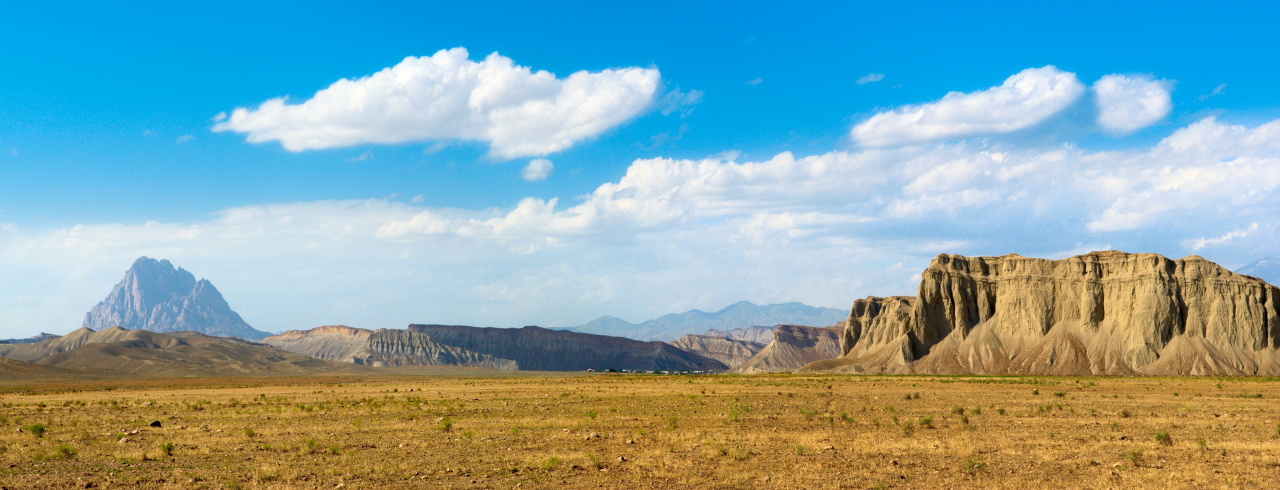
(380,348)
(145,353)
(540,349)
(792,347)
(1104,313)
(156,296)
(738,315)
(731,352)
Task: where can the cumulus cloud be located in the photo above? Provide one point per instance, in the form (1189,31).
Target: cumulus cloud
(1022,101)
(517,111)
(1128,104)
(537,170)
(871,78)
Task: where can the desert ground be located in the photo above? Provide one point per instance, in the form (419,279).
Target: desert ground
(463,428)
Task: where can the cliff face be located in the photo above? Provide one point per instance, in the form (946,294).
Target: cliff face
(540,349)
(380,348)
(157,297)
(793,347)
(731,352)
(1102,313)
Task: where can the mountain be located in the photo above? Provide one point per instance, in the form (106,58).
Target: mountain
(155,296)
(380,348)
(540,349)
(761,335)
(738,315)
(146,353)
(792,347)
(731,352)
(30,340)
(1267,269)
(1104,313)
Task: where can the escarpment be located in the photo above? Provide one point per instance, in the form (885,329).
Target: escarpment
(1107,313)
(381,348)
(793,347)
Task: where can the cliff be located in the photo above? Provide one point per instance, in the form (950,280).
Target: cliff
(380,348)
(793,347)
(540,349)
(731,352)
(1104,313)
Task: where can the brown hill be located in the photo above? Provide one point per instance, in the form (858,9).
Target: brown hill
(1104,313)
(731,352)
(760,335)
(793,346)
(141,352)
(380,348)
(540,349)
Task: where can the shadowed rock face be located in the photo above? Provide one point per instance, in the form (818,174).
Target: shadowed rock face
(731,352)
(156,296)
(1108,313)
(540,349)
(793,347)
(379,348)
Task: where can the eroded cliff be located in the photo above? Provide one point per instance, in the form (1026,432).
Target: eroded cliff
(1108,313)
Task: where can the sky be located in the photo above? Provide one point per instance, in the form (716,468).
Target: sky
(498,164)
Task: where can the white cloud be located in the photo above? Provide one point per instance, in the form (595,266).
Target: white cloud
(682,102)
(537,170)
(755,81)
(1216,91)
(1023,100)
(183,139)
(871,78)
(1226,238)
(361,157)
(1128,104)
(517,111)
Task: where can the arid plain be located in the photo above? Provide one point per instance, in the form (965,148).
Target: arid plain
(456,427)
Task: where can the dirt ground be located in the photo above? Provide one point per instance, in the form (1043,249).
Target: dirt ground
(611,430)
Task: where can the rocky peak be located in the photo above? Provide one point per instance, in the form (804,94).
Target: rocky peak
(154,295)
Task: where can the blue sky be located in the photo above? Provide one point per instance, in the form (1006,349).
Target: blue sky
(108,152)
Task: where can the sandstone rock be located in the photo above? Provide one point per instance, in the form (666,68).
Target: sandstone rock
(1104,313)
(793,347)
(731,352)
(381,348)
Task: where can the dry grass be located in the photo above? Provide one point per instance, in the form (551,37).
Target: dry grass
(647,431)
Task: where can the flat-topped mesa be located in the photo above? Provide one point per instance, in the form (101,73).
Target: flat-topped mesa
(1099,313)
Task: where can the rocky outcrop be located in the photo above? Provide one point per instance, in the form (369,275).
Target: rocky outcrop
(731,352)
(793,347)
(380,348)
(1104,313)
(540,349)
(762,335)
(156,296)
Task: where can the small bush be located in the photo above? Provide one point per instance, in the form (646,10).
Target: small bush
(310,446)
(958,410)
(36,430)
(446,425)
(1164,438)
(976,411)
(800,450)
(846,418)
(1124,414)
(63,451)
(971,466)
(1201,443)
(1000,411)
(1134,456)
(167,448)
(926,421)
(907,428)
(1035,392)
(249,432)
(334,450)
(591,414)
(671,423)
(551,463)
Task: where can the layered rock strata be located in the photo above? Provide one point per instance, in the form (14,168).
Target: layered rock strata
(731,352)
(1104,313)
(380,348)
(793,347)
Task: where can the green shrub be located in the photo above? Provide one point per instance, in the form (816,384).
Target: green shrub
(167,448)
(36,430)
(551,463)
(1164,438)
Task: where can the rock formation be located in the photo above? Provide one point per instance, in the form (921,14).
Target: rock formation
(540,349)
(155,296)
(738,315)
(762,335)
(792,347)
(731,352)
(380,348)
(1104,313)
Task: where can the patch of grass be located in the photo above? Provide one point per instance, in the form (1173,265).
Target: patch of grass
(671,423)
(972,466)
(551,463)
(1134,456)
(1201,443)
(591,414)
(446,424)
(167,448)
(249,432)
(1163,438)
(36,430)
(800,450)
(63,451)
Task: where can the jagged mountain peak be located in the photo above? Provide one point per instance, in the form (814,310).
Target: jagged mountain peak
(157,296)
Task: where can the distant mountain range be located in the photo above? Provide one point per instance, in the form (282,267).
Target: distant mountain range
(738,315)
(1267,269)
(156,296)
